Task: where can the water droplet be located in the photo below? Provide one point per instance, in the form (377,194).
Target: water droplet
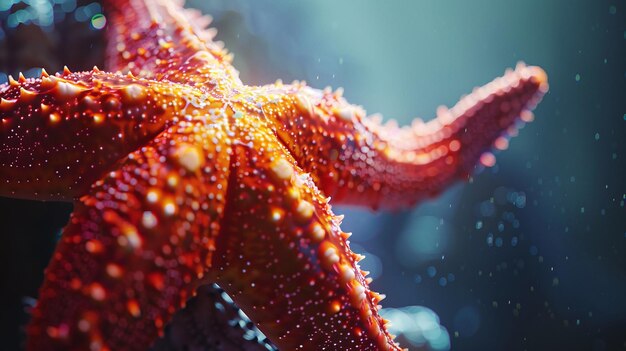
(98,21)
(490,239)
(498,242)
(431,271)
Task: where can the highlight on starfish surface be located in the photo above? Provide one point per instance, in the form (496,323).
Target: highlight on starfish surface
(182,176)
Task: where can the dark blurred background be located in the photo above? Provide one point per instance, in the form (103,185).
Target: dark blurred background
(529,255)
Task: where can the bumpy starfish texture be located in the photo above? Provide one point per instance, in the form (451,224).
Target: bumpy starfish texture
(183,176)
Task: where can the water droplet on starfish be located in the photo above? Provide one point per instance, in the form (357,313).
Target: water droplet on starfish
(334,307)
(133,94)
(149,220)
(358,293)
(329,253)
(97,292)
(156,280)
(54,118)
(98,118)
(190,157)
(58,332)
(169,208)
(304,210)
(67,90)
(114,270)
(94,246)
(277,214)
(347,273)
(488,159)
(130,237)
(112,104)
(454,145)
(152,196)
(172,180)
(282,169)
(133,308)
(317,232)
(84,325)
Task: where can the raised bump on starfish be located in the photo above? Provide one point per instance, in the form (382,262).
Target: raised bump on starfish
(213,186)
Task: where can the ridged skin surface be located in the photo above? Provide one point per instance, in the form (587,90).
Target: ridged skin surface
(182,176)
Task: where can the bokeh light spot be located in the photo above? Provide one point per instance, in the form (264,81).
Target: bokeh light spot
(467,321)
(98,21)
(419,326)
(424,239)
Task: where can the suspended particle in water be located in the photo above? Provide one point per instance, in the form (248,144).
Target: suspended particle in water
(98,21)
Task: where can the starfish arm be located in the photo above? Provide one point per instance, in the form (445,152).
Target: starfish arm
(136,246)
(59,134)
(168,42)
(356,160)
(284,260)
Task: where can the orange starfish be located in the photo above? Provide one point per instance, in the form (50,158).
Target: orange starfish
(183,176)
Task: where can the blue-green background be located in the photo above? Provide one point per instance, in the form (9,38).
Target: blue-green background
(553,274)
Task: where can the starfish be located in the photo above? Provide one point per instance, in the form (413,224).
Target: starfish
(182,176)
